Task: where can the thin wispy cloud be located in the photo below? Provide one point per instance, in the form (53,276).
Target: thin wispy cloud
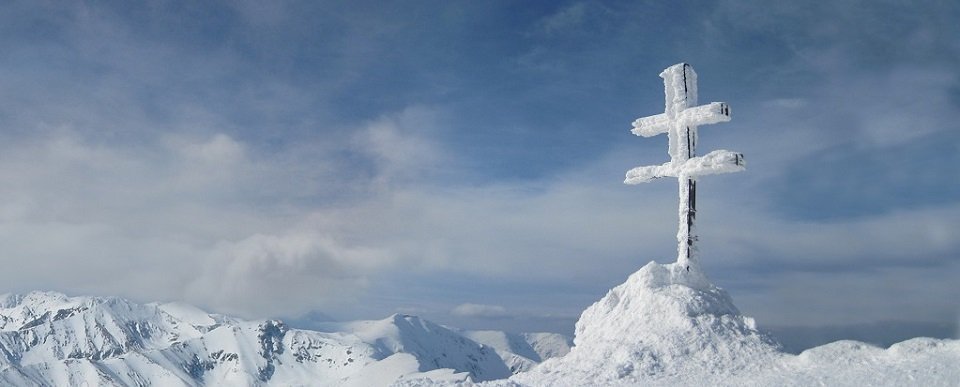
(480,310)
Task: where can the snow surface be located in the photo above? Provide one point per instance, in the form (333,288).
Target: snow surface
(664,323)
(522,351)
(667,326)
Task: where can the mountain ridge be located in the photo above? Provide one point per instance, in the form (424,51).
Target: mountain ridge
(48,338)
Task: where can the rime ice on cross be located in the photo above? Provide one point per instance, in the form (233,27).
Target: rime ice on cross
(679,121)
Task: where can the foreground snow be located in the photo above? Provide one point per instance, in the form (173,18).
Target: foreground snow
(668,326)
(664,326)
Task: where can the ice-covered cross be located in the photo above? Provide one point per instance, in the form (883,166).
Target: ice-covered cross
(679,121)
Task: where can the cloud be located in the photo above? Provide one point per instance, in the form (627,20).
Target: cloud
(219,150)
(292,160)
(206,219)
(268,275)
(786,103)
(896,106)
(480,310)
(400,146)
(182,218)
(571,16)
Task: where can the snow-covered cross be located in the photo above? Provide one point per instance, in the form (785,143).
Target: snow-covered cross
(679,121)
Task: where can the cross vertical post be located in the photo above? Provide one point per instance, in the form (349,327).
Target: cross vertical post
(679,120)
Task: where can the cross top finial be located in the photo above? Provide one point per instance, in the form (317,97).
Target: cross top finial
(679,120)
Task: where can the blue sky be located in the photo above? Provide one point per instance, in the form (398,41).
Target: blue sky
(463,160)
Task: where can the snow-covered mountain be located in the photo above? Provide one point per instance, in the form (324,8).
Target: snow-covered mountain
(50,339)
(522,351)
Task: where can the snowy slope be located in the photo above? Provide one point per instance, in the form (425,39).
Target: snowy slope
(50,339)
(664,322)
(664,326)
(668,326)
(522,351)
(433,345)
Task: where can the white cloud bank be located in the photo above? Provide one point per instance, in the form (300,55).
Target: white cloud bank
(208,220)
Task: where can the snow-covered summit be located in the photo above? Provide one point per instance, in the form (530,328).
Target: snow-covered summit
(662,322)
(39,326)
(669,326)
(434,345)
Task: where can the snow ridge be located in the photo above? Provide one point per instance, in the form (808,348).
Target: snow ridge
(522,351)
(436,346)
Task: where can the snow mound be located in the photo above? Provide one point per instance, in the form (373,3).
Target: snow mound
(666,326)
(664,321)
